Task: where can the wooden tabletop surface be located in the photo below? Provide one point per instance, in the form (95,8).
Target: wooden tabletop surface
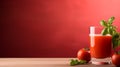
(42,62)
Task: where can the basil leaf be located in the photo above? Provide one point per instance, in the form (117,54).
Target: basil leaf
(77,62)
(116,35)
(115,40)
(110,20)
(83,61)
(103,23)
(115,43)
(110,31)
(104,31)
(119,43)
(72,63)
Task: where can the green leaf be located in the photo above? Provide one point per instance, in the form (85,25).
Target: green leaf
(115,43)
(111,32)
(110,20)
(119,43)
(115,40)
(108,30)
(76,62)
(83,61)
(103,23)
(116,35)
(72,63)
(104,31)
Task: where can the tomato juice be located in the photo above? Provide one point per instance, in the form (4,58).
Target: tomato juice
(100,46)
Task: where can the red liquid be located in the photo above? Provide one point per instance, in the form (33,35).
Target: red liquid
(100,46)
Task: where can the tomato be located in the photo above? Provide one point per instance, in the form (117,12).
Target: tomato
(84,54)
(116,59)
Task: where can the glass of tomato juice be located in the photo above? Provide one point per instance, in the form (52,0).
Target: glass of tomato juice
(100,46)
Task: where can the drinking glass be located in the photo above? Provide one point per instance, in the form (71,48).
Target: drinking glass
(100,46)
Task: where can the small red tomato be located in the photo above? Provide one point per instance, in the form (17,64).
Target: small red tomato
(116,59)
(84,54)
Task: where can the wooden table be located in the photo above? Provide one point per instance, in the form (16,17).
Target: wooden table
(42,62)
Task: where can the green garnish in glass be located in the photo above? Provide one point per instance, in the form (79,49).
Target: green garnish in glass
(109,28)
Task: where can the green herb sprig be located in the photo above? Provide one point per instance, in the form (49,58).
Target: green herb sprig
(77,62)
(109,28)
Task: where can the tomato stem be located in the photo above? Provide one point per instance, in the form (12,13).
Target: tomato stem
(87,49)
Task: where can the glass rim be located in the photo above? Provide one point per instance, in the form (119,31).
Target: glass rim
(96,26)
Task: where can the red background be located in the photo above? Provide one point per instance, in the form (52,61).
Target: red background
(50,28)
